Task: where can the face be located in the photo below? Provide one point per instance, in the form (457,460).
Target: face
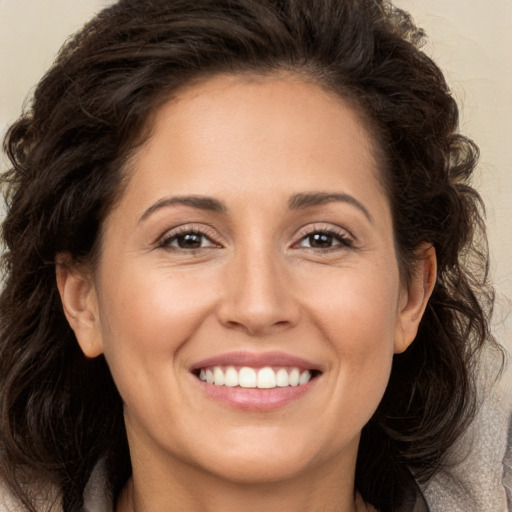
(248,298)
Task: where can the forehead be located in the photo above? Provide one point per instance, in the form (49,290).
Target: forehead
(254,137)
(267,109)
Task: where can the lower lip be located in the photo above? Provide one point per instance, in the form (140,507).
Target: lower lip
(254,399)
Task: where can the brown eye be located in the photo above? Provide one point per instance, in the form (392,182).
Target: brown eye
(188,240)
(320,240)
(325,240)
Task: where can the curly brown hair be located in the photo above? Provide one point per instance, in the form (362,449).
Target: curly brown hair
(60,412)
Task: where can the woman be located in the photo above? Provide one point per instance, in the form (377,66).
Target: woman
(236,277)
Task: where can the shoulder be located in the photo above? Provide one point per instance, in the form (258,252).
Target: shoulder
(97,497)
(475,482)
(8,503)
(44,497)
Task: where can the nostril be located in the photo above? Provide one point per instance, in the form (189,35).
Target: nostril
(235,325)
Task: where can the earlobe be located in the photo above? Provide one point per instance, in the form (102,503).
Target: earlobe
(415,297)
(80,304)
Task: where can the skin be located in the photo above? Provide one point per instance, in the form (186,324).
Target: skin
(255,284)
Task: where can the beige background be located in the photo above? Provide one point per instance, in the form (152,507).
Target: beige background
(470,39)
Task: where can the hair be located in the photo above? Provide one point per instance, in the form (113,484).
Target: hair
(60,413)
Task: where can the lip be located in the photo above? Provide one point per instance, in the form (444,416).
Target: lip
(253,399)
(257,360)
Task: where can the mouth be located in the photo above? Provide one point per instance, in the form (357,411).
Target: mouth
(275,372)
(266,377)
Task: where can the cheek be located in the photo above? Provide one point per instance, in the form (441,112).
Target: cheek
(363,340)
(358,318)
(147,316)
(357,309)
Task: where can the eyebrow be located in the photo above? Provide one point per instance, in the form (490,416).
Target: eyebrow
(200,202)
(302,201)
(296,202)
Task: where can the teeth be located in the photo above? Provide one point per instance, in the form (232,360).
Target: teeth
(231,377)
(218,376)
(266,378)
(282,379)
(294,377)
(247,377)
(305,376)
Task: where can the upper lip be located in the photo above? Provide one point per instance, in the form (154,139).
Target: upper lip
(256,360)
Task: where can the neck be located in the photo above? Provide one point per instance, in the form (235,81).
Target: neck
(189,491)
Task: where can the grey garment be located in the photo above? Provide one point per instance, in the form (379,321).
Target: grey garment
(507,468)
(475,483)
(97,495)
(507,463)
(414,500)
(420,505)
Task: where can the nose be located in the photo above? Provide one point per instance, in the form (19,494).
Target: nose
(258,295)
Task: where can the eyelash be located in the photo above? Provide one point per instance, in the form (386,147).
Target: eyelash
(345,242)
(166,241)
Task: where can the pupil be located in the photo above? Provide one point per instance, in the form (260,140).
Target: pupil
(320,240)
(189,241)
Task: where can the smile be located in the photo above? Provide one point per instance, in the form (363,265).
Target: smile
(249,377)
(257,382)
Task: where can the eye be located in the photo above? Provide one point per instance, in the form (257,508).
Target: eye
(187,240)
(324,239)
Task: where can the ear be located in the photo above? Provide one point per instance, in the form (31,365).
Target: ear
(415,296)
(80,304)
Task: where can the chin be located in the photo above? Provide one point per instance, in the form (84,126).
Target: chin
(272,462)
(257,471)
